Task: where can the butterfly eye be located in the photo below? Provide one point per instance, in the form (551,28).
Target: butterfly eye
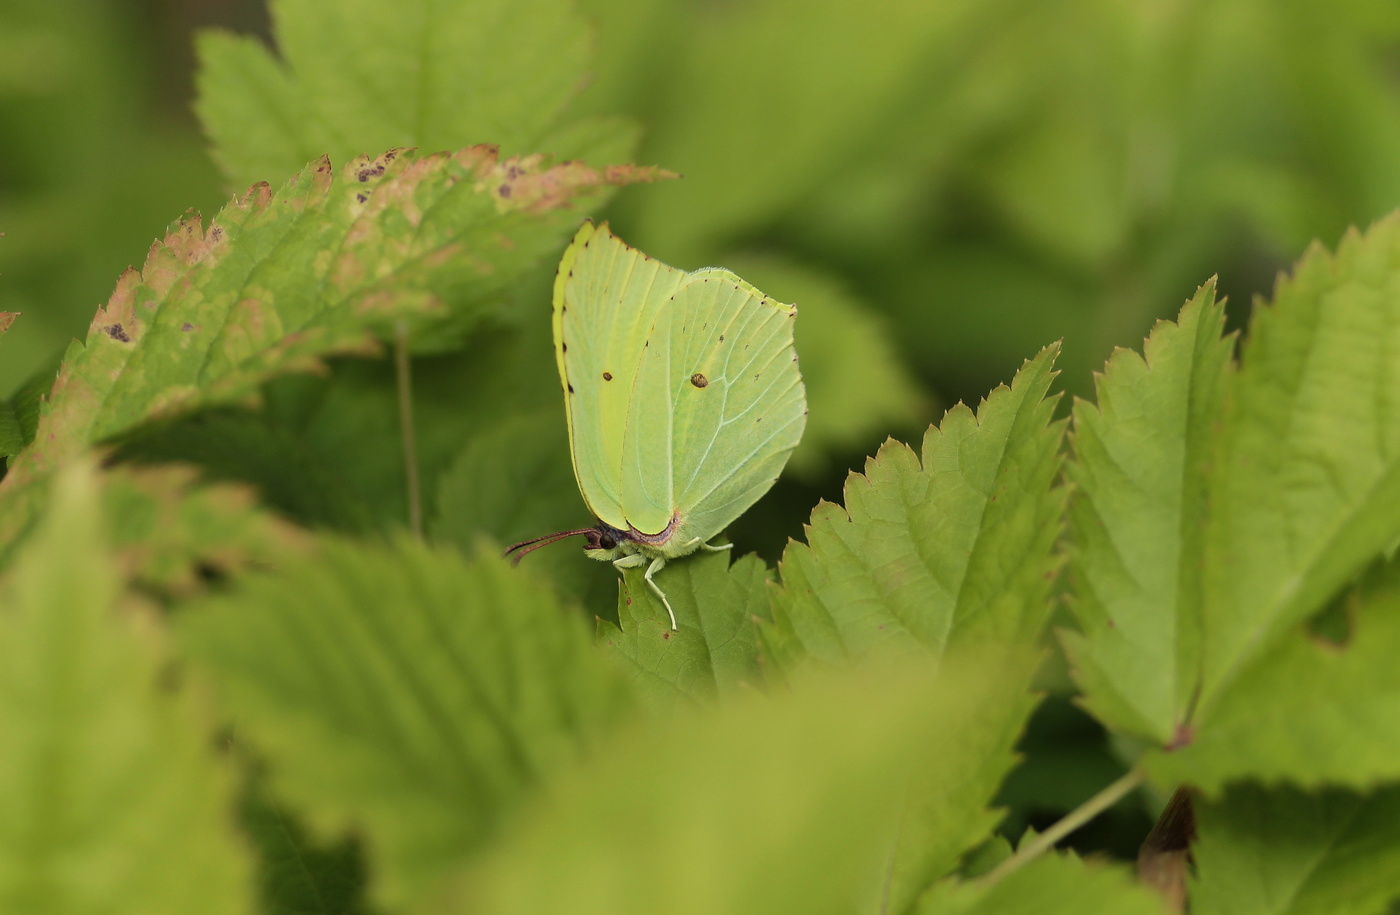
(606,543)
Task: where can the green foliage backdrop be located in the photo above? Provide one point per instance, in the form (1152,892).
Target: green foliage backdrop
(258,651)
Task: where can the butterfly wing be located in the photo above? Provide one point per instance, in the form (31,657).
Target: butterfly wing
(718,408)
(606,299)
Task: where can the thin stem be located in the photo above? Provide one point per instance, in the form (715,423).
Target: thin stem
(404,381)
(1068,824)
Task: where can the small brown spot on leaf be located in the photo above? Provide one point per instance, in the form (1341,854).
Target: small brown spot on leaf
(699,380)
(721,338)
(504,191)
(564,347)
(666,635)
(571,389)
(187,327)
(362,197)
(607,376)
(116,332)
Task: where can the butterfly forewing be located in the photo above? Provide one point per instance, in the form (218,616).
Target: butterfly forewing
(606,299)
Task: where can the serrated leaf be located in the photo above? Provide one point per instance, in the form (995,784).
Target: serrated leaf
(1308,484)
(951,549)
(1312,711)
(1140,460)
(279,282)
(1054,883)
(715,650)
(1284,852)
(359,76)
(767,804)
(405,694)
(858,385)
(110,796)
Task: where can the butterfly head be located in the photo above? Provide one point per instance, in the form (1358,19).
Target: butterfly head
(603,542)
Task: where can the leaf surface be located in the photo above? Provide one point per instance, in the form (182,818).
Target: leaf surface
(358,76)
(930,553)
(1141,454)
(111,798)
(405,693)
(767,804)
(1054,883)
(1284,852)
(1308,484)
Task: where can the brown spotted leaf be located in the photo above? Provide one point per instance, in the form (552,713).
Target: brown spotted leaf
(280,280)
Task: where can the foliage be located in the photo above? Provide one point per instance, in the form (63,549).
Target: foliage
(245,666)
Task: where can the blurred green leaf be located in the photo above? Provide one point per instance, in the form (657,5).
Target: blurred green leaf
(835,78)
(405,694)
(299,876)
(1141,457)
(771,804)
(361,76)
(11,435)
(171,537)
(110,796)
(954,548)
(858,387)
(1283,852)
(1049,885)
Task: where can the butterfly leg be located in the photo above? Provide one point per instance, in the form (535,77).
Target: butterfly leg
(635,560)
(716,549)
(657,565)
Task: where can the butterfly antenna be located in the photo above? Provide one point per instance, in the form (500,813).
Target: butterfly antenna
(529,546)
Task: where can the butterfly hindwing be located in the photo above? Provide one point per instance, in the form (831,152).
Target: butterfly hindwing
(719,406)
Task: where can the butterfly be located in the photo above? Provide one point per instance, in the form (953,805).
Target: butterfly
(683,396)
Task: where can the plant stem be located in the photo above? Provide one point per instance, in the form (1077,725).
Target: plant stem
(1068,824)
(404,379)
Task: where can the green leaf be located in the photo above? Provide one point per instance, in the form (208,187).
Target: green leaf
(406,695)
(1308,484)
(359,76)
(1048,885)
(858,386)
(22,409)
(11,436)
(110,796)
(1312,711)
(1140,460)
(172,536)
(1284,852)
(280,281)
(715,651)
(948,812)
(768,804)
(952,549)
(838,76)
(299,876)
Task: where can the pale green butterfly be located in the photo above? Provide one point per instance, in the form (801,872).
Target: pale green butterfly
(683,397)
